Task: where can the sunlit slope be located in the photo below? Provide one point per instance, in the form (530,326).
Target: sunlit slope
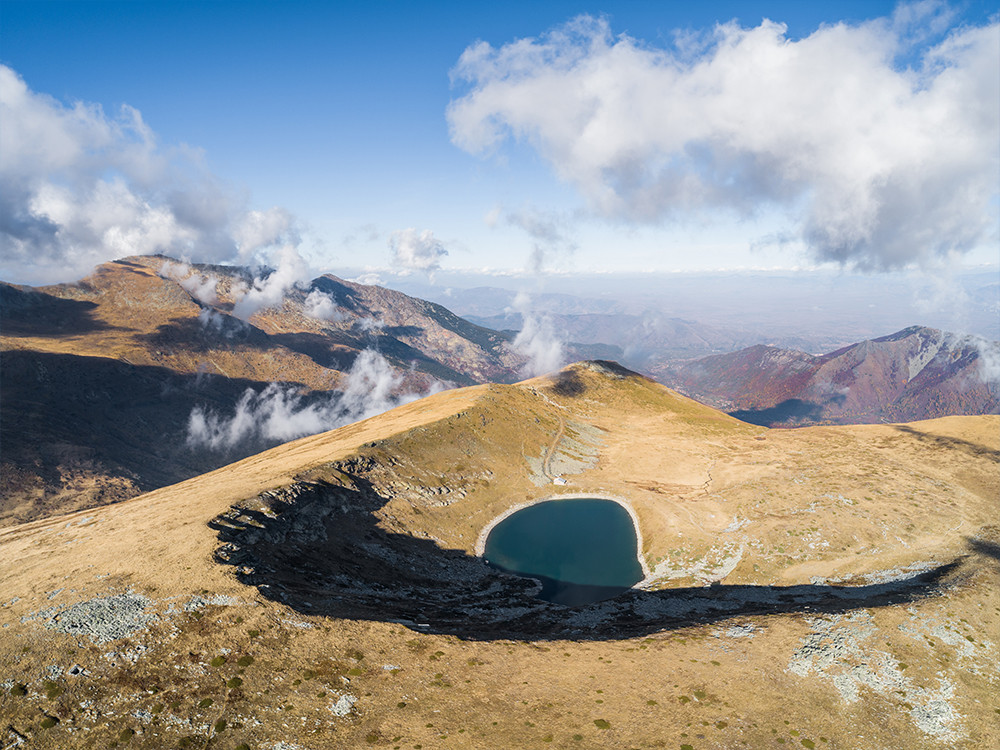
(101,376)
(703,484)
(839,579)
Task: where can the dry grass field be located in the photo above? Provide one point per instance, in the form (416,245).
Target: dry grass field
(826,587)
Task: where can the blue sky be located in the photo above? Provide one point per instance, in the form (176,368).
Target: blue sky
(337,116)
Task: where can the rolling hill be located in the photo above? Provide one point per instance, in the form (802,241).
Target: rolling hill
(328,592)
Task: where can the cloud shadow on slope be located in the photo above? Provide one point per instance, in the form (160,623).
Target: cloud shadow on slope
(947,441)
(25,313)
(792,411)
(319,549)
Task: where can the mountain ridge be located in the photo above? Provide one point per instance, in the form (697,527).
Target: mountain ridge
(331,585)
(143,343)
(915,373)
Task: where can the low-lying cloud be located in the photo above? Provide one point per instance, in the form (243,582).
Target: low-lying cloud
(322,306)
(278,413)
(202,288)
(880,141)
(537,340)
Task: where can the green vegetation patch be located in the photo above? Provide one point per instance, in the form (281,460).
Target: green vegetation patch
(52,689)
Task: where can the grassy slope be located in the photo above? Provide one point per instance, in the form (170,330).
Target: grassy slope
(126,353)
(716,499)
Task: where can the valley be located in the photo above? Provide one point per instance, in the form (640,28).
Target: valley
(102,377)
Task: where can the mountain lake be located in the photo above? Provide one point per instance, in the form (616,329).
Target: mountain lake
(582,550)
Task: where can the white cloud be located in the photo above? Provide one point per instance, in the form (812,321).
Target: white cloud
(988,360)
(873,162)
(416,251)
(492,217)
(256,231)
(79,187)
(322,306)
(278,413)
(202,288)
(370,278)
(537,340)
(270,285)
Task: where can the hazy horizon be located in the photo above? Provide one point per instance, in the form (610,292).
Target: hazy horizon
(538,148)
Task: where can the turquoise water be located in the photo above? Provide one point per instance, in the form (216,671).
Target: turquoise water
(582,550)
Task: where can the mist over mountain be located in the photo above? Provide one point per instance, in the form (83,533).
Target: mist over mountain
(815,311)
(142,374)
(145,373)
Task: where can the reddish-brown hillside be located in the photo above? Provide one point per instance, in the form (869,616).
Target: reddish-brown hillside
(916,373)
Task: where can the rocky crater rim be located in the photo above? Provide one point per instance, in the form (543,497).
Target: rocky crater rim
(647,574)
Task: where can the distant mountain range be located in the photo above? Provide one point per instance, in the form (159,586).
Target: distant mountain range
(916,373)
(151,371)
(644,341)
(101,376)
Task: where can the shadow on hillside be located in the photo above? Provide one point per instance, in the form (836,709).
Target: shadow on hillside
(791,412)
(65,418)
(985,548)
(31,313)
(946,441)
(333,350)
(319,549)
(199,335)
(569,383)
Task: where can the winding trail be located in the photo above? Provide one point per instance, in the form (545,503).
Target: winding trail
(547,461)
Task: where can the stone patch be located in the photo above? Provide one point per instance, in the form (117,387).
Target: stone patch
(104,619)
(344,705)
(839,648)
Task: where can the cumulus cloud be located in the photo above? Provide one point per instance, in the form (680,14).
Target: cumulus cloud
(79,187)
(988,360)
(537,340)
(369,278)
(278,413)
(878,141)
(416,251)
(269,285)
(258,231)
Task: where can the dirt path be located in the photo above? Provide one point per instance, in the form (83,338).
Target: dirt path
(547,461)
